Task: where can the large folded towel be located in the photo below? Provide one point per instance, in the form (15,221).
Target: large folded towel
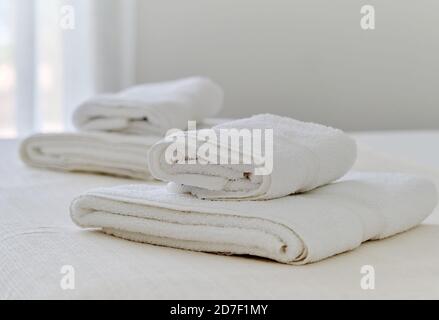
(94,152)
(303,156)
(151,108)
(296,229)
(106,153)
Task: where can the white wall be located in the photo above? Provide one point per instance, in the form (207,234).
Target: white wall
(308,59)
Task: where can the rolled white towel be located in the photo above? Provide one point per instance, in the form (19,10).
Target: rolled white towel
(297,229)
(106,153)
(302,156)
(151,108)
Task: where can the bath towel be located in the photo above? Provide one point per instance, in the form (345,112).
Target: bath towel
(296,229)
(105,153)
(291,156)
(151,108)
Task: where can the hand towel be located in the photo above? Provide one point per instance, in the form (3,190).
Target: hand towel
(303,156)
(296,229)
(105,153)
(151,108)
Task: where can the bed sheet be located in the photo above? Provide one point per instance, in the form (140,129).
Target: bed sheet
(38,240)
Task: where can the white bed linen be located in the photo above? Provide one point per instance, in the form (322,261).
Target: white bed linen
(37,238)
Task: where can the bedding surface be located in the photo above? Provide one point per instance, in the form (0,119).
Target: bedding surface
(39,243)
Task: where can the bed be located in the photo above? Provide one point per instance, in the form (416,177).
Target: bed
(38,242)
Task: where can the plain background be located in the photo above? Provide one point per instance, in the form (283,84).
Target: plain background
(307,59)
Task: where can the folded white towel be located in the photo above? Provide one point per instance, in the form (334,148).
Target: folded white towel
(151,108)
(107,153)
(303,155)
(297,229)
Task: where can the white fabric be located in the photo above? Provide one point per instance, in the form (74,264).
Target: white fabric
(93,152)
(296,229)
(151,108)
(38,238)
(305,156)
(106,153)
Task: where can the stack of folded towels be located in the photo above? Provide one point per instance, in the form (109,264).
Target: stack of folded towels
(306,208)
(115,131)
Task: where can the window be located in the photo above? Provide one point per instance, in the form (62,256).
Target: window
(7,70)
(46,69)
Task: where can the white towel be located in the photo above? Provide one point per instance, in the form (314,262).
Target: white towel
(106,153)
(297,229)
(151,108)
(304,156)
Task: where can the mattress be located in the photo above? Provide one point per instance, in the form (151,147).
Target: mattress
(39,246)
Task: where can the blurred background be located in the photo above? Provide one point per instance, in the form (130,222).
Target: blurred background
(308,59)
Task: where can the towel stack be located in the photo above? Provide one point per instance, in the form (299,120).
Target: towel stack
(115,131)
(274,187)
